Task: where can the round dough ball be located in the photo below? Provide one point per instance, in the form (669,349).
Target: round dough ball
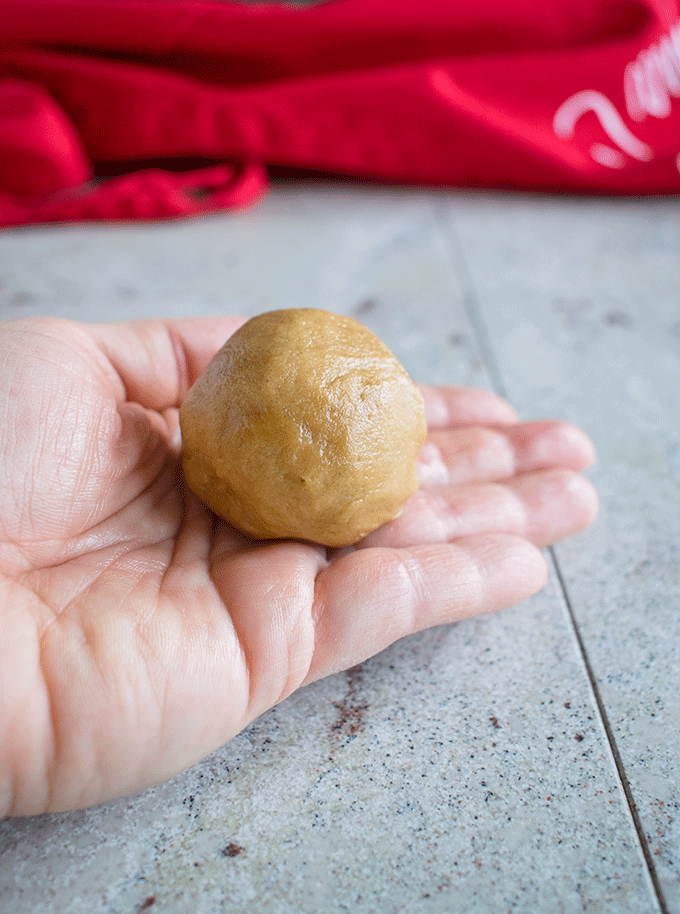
(304,426)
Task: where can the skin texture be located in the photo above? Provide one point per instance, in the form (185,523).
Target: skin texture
(303,426)
(138,632)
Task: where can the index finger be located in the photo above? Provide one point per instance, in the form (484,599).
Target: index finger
(447,407)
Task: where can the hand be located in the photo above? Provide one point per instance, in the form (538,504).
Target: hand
(138,632)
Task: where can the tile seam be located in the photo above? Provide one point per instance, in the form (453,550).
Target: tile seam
(471,305)
(609,734)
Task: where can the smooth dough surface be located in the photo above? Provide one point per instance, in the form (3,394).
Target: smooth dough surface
(305,426)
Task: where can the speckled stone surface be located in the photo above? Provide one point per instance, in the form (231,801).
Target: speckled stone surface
(591,330)
(466,769)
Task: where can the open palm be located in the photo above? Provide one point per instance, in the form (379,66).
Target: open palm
(138,632)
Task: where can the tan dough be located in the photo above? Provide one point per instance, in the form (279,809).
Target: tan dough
(305,426)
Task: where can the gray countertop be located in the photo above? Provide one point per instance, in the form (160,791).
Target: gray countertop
(528,761)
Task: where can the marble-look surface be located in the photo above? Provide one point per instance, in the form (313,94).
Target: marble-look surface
(523,762)
(607,308)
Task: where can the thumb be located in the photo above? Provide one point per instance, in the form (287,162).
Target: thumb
(156,361)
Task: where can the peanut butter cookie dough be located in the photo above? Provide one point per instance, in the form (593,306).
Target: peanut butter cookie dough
(305,426)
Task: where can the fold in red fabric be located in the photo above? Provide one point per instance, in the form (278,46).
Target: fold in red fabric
(107,107)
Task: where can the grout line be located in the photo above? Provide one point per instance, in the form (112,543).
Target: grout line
(471,305)
(473,310)
(611,740)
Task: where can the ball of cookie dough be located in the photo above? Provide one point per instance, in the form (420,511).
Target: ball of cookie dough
(304,426)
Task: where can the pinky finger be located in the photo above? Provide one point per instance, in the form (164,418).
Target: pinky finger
(370,598)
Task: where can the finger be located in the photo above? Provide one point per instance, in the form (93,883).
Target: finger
(157,361)
(446,407)
(543,507)
(372,597)
(268,592)
(465,455)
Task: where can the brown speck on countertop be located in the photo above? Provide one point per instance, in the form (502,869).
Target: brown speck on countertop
(351,710)
(231,850)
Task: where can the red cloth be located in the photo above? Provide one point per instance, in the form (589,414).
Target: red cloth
(560,95)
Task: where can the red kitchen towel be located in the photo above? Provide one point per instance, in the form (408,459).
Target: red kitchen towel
(140,109)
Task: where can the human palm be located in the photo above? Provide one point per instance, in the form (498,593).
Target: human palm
(138,632)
